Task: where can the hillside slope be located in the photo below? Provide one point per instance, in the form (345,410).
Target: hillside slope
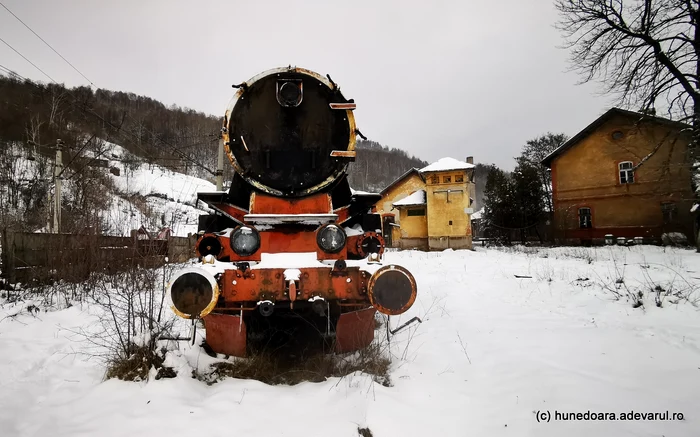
(126,194)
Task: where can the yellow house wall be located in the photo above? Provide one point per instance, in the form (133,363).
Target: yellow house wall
(587,175)
(413,226)
(399,191)
(441,212)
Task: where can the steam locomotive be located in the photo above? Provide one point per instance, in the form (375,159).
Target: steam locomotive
(290,236)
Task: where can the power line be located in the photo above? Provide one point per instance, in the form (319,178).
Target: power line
(49,45)
(25,58)
(174,149)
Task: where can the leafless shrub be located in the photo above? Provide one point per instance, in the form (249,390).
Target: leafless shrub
(544,272)
(129,323)
(137,365)
(616,285)
(677,289)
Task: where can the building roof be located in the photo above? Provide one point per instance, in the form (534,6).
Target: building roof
(547,161)
(478,215)
(446,164)
(414,199)
(401,178)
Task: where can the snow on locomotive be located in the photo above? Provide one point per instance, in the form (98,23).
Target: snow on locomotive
(290,236)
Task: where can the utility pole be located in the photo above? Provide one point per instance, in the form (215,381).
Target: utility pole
(57,181)
(220,166)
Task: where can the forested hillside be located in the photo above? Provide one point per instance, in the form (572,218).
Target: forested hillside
(37,114)
(377,166)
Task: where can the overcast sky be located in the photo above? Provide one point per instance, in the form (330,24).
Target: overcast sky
(439,78)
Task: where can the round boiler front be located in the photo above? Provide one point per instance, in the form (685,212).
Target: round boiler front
(281,129)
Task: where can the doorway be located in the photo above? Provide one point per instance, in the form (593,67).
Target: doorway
(387,227)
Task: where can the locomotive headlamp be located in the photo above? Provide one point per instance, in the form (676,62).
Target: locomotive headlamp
(290,93)
(245,241)
(331,239)
(209,245)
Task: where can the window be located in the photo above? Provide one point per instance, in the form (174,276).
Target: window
(446,179)
(434,179)
(416,212)
(626,173)
(450,222)
(584,218)
(459,178)
(669,212)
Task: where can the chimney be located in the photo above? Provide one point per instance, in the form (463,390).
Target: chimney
(470,160)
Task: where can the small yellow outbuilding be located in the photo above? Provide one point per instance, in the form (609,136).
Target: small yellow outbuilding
(429,208)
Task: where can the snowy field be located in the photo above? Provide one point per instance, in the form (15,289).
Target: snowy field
(493,350)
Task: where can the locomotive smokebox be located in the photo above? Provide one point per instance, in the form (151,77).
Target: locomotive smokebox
(289,132)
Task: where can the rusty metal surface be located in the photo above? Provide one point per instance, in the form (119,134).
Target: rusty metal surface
(354,330)
(226,334)
(253,285)
(392,290)
(343,214)
(343,105)
(282,239)
(359,246)
(344,154)
(231,211)
(264,204)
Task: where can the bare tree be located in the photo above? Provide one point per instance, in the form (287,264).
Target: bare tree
(646,51)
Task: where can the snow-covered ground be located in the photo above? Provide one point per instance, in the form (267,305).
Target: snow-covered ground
(493,350)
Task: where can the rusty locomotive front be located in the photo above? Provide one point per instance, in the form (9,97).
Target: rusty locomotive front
(290,237)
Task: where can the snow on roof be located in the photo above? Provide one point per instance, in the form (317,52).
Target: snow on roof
(362,193)
(478,215)
(415,198)
(446,164)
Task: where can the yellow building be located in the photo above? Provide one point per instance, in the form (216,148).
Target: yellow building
(406,184)
(429,208)
(625,175)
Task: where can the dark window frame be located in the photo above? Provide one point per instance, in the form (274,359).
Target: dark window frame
(669,211)
(415,212)
(585,217)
